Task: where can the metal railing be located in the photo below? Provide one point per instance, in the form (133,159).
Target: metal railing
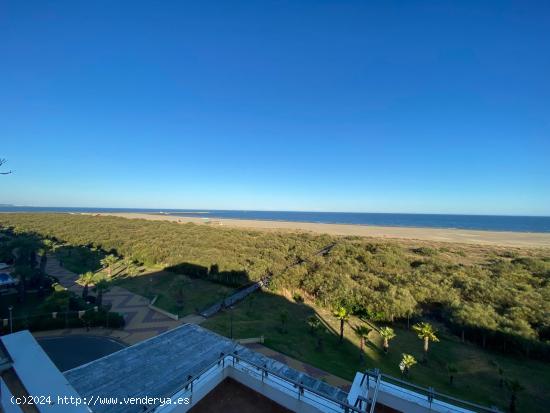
(430,395)
(376,389)
(365,390)
(315,398)
(262,373)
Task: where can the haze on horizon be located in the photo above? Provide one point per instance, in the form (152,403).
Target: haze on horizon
(427,107)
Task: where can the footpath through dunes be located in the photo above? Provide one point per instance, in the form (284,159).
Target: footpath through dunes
(140,321)
(242,293)
(447,235)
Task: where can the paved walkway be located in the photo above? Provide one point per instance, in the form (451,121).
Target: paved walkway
(141,322)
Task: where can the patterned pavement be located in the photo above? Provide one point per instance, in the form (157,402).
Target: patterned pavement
(141,322)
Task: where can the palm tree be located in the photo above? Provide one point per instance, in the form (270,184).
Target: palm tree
(515,387)
(363,334)
(24,250)
(387,334)
(178,289)
(131,267)
(251,301)
(86,279)
(109,261)
(283,316)
(23,272)
(101,287)
(313,323)
(406,363)
(452,369)
(319,334)
(342,314)
(500,372)
(425,332)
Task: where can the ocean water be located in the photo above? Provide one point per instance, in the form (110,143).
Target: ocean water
(476,222)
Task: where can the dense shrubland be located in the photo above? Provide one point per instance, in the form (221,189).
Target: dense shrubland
(39,302)
(497,297)
(168,244)
(501,301)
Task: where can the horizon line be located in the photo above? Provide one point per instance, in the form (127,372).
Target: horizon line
(206,210)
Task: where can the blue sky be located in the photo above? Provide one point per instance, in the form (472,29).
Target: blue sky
(382,106)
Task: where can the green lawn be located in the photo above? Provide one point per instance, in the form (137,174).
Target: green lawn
(197,293)
(477,379)
(79,259)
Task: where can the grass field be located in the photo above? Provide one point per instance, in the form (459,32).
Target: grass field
(79,259)
(477,378)
(197,293)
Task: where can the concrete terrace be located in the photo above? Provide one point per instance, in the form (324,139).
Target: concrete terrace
(158,367)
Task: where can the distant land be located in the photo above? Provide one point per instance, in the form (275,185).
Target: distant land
(441,221)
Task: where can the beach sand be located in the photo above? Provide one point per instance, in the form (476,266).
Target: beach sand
(500,238)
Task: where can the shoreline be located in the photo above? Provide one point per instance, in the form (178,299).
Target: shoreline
(450,235)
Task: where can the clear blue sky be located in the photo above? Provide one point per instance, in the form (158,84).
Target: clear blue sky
(380,106)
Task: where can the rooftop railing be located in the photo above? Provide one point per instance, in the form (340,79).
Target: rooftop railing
(428,394)
(372,384)
(288,386)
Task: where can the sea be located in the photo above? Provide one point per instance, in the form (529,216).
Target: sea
(475,222)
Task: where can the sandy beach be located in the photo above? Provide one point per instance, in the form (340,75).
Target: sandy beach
(501,238)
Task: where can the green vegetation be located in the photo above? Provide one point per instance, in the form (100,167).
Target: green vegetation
(496,297)
(109,262)
(342,315)
(472,299)
(485,296)
(86,279)
(177,294)
(101,287)
(79,259)
(426,333)
(362,333)
(35,312)
(157,243)
(30,307)
(38,302)
(387,334)
(407,362)
(477,377)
